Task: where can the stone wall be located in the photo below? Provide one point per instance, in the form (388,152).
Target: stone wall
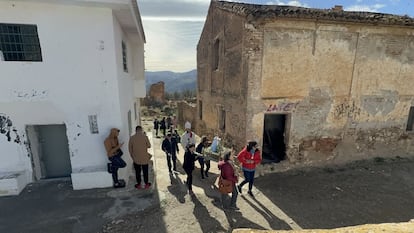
(222,89)
(187,112)
(343,86)
(157,92)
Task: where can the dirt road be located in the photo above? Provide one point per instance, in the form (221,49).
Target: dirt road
(375,191)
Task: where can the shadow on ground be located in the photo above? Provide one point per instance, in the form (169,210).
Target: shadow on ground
(375,191)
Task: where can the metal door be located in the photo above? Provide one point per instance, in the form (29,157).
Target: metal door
(54,157)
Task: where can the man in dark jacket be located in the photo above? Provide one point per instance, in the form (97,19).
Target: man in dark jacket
(170,147)
(156,126)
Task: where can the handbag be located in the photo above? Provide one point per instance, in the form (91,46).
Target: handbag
(225,186)
(119,153)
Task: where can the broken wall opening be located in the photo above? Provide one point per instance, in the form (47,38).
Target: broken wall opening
(274,148)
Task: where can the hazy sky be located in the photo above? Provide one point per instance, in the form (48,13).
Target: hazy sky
(173,27)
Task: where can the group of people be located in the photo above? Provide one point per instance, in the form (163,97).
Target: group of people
(138,149)
(166,123)
(249,157)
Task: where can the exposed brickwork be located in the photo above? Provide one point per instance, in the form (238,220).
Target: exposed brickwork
(340,78)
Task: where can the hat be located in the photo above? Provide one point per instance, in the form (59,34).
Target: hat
(187,125)
(169,134)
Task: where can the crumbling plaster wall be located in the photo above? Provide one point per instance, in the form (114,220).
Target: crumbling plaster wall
(224,88)
(345,87)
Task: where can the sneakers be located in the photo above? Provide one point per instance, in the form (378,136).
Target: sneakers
(147,186)
(119,185)
(206,174)
(239,188)
(138,186)
(250,193)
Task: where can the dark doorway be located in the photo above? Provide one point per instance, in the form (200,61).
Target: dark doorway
(274,148)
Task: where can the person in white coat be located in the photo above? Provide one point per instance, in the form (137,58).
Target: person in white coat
(188,136)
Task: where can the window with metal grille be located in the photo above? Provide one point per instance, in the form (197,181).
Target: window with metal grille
(20,42)
(124,57)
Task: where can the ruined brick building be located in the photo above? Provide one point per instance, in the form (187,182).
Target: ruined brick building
(307,84)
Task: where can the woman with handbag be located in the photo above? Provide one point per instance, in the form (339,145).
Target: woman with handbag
(114,152)
(227,181)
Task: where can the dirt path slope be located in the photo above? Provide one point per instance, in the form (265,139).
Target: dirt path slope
(363,192)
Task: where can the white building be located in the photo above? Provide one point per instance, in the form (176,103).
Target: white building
(70,70)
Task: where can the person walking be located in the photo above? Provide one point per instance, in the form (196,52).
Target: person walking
(170,147)
(138,149)
(227,172)
(163,127)
(188,165)
(203,160)
(156,126)
(174,122)
(188,136)
(249,158)
(169,122)
(114,153)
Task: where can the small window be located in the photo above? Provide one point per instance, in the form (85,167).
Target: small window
(124,57)
(216,56)
(129,122)
(200,109)
(410,122)
(135,110)
(20,42)
(222,119)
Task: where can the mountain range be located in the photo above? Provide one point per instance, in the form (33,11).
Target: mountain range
(173,82)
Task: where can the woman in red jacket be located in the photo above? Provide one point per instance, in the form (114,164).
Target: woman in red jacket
(249,158)
(227,172)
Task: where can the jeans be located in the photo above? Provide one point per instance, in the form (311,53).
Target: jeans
(116,163)
(248,178)
(173,157)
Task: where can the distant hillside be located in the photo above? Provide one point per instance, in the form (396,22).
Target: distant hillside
(173,81)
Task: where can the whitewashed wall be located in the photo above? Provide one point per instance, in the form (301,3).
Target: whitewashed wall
(81,74)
